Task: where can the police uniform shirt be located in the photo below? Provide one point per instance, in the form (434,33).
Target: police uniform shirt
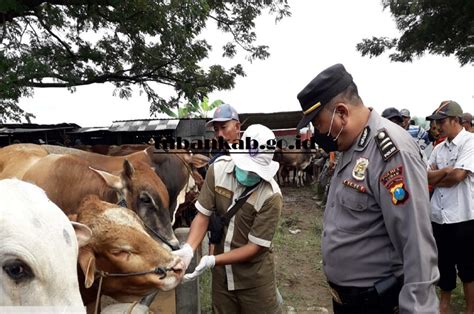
(256,221)
(454,204)
(377,217)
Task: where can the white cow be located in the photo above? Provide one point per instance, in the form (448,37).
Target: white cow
(39,249)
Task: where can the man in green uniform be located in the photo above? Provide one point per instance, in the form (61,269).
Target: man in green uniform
(243,271)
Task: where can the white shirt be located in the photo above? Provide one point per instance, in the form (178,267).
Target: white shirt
(454,204)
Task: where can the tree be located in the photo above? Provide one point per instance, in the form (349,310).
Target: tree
(148,43)
(435,26)
(194,109)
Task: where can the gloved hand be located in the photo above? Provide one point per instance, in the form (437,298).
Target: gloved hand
(206,262)
(186,253)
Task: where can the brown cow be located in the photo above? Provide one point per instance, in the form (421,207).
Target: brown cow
(294,159)
(68,178)
(121,245)
(177,168)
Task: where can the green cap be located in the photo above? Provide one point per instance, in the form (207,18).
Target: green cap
(446,109)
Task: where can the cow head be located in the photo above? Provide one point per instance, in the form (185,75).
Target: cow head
(120,244)
(177,168)
(39,250)
(145,193)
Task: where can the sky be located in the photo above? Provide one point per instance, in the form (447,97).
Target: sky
(316,36)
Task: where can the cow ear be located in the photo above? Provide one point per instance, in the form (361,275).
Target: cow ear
(111,180)
(128,169)
(199,160)
(87,263)
(83,233)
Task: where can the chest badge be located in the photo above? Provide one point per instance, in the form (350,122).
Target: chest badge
(360,168)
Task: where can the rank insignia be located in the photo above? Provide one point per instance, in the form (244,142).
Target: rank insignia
(385,144)
(224,192)
(355,186)
(360,167)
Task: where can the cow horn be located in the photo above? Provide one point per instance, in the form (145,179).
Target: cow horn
(148,299)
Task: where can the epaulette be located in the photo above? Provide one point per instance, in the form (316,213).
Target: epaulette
(385,144)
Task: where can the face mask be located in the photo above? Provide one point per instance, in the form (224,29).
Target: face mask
(327,142)
(246,178)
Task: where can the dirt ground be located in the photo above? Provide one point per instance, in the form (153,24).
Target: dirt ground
(300,277)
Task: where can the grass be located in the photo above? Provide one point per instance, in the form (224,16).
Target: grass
(457,298)
(205,292)
(302,250)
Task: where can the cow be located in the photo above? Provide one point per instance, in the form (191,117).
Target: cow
(39,249)
(67,179)
(294,159)
(121,254)
(177,168)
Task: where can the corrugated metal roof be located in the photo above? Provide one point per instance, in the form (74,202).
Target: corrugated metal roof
(144,125)
(22,130)
(89,130)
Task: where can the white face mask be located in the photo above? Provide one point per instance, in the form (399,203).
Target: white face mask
(330,127)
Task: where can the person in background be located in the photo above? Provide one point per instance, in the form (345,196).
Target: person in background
(226,124)
(393,115)
(452,175)
(435,138)
(467,122)
(417,132)
(379,254)
(243,269)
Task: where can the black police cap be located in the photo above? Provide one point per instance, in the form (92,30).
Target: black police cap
(321,90)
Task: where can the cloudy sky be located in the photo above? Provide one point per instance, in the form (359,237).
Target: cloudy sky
(316,36)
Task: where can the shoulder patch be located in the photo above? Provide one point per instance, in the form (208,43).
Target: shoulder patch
(385,144)
(394,182)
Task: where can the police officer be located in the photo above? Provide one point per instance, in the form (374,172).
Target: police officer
(379,254)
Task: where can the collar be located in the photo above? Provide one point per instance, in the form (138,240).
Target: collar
(229,168)
(365,137)
(457,139)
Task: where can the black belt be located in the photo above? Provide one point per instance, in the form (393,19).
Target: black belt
(362,295)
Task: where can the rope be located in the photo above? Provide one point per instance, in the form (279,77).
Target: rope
(97,300)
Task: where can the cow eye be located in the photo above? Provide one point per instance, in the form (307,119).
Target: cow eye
(145,198)
(121,253)
(18,270)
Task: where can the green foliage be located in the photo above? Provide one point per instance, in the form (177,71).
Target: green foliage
(194,109)
(147,43)
(438,27)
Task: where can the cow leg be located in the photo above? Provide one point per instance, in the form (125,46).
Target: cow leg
(298,178)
